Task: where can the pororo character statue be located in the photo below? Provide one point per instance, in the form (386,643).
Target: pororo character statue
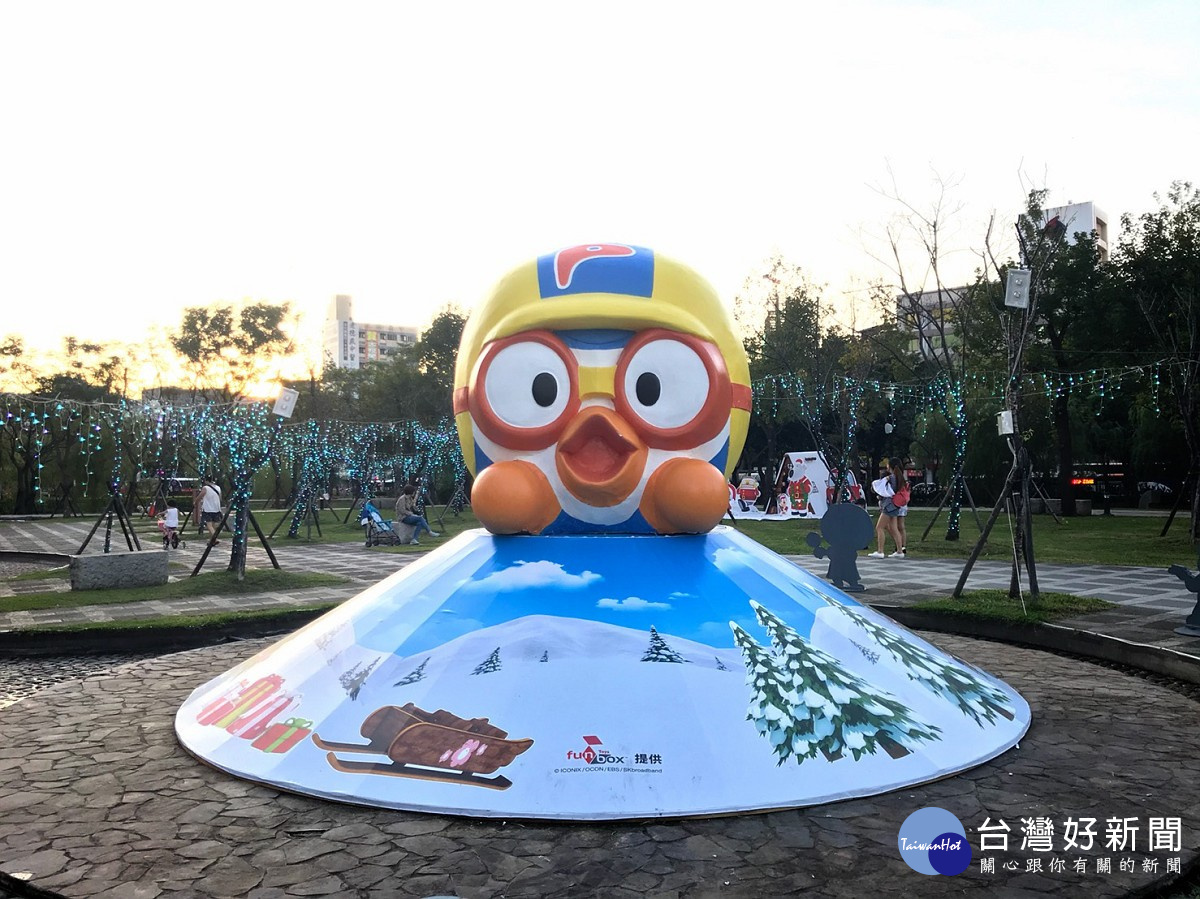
(607,651)
(601,388)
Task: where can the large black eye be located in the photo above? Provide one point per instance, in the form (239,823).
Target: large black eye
(545,389)
(527,385)
(648,388)
(666,383)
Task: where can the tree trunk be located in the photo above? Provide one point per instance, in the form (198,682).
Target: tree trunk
(1195,524)
(957,482)
(772,451)
(1188,408)
(1066,455)
(25,498)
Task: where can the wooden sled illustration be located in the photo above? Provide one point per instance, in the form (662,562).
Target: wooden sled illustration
(429,746)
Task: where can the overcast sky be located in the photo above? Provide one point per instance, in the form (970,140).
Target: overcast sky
(162,155)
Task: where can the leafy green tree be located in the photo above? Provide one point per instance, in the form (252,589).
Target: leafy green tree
(793,361)
(437,350)
(43,443)
(229,349)
(887,426)
(14,369)
(1158,258)
(1069,292)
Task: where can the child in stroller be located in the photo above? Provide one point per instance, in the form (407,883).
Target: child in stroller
(168,525)
(379,531)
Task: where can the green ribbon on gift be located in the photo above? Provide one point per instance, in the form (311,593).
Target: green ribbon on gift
(292,725)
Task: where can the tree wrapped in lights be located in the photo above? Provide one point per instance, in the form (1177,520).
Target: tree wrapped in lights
(317,457)
(48,442)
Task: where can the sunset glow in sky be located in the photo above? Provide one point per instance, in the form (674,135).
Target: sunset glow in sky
(158,156)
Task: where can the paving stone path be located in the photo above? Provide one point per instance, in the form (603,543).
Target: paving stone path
(97,799)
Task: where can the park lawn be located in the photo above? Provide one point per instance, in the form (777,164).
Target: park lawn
(1090,539)
(1086,540)
(332,527)
(216,583)
(62,572)
(997,605)
(335,530)
(1083,540)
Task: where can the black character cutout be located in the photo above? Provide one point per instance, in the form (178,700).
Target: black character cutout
(1191,625)
(847,528)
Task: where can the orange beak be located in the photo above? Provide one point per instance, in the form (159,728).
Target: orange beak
(599,458)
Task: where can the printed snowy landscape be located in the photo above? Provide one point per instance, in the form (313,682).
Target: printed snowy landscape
(795,694)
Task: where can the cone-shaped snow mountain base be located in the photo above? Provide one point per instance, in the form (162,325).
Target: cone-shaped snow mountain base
(600,677)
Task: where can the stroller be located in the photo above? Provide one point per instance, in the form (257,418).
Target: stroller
(379,532)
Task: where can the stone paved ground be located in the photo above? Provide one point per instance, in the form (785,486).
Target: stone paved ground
(98,799)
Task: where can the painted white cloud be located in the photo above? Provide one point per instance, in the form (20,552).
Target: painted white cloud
(631,604)
(678,595)
(728,559)
(532,576)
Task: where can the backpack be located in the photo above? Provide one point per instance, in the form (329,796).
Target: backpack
(901,496)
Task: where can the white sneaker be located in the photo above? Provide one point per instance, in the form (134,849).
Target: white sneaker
(898,555)
(434,534)
(876,556)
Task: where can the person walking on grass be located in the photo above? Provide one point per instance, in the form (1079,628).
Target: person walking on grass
(893,491)
(406,513)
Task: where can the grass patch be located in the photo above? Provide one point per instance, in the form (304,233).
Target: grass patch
(44,574)
(216,583)
(214,619)
(1087,540)
(333,529)
(997,605)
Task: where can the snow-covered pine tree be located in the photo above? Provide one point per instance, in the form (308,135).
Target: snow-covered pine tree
(772,703)
(976,698)
(845,712)
(353,679)
(659,651)
(870,654)
(490,664)
(413,676)
(720,664)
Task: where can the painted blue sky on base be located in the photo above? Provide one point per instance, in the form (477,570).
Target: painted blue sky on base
(690,587)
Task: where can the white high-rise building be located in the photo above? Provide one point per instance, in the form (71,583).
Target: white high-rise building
(351,344)
(1082,218)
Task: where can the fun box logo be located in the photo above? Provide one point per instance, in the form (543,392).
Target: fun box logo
(933,841)
(594,753)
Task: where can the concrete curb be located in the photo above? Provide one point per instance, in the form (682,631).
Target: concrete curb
(19,555)
(1054,637)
